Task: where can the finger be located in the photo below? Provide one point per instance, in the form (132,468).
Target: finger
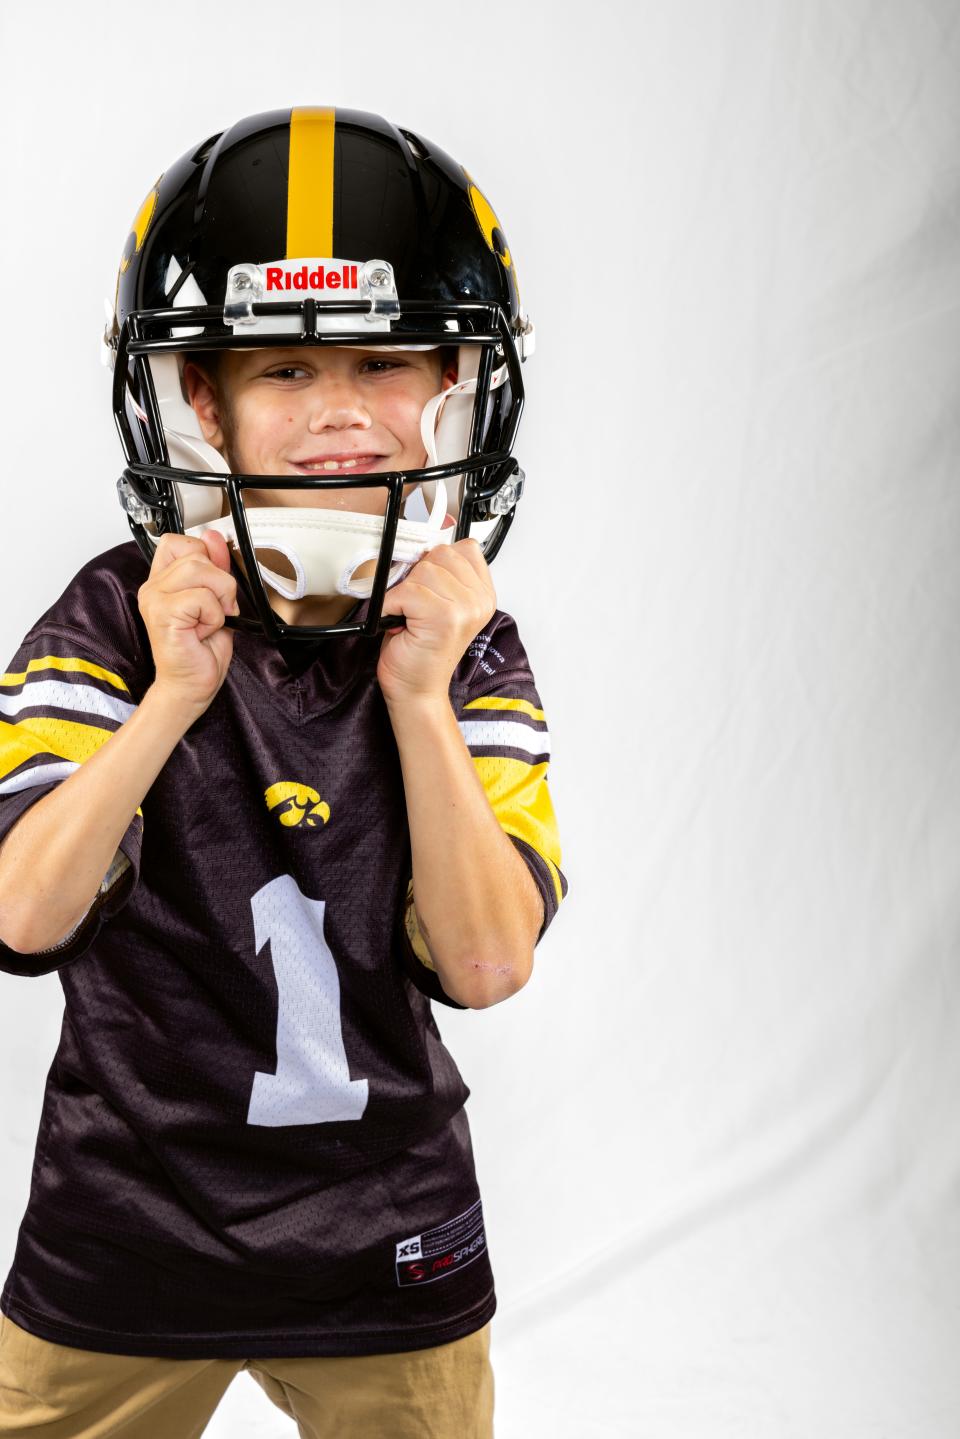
(171,548)
(475,557)
(473,553)
(196,609)
(467,564)
(192,570)
(473,550)
(217,548)
(442,605)
(457,573)
(396,600)
(443,581)
(465,553)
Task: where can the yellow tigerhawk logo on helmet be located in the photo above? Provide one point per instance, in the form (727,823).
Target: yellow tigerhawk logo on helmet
(492,231)
(302,804)
(139,228)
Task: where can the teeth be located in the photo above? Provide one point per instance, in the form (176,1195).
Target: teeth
(333,465)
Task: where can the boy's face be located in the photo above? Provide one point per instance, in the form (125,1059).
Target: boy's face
(287,411)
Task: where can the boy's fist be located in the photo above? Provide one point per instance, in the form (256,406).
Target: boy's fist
(184,601)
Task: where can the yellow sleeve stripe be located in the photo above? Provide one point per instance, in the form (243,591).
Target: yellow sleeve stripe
(64,738)
(520,799)
(499,702)
(56,662)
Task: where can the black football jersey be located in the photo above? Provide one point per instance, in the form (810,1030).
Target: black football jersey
(253,1140)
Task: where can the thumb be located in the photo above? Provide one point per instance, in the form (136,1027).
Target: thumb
(217,548)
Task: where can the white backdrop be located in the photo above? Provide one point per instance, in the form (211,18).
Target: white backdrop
(714,1134)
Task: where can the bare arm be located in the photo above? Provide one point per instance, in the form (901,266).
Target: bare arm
(478,908)
(55,857)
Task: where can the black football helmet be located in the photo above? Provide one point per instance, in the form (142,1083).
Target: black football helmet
(318,227)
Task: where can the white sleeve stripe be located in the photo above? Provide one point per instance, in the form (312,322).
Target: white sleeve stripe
(55,694)
(505,734)
(40,774)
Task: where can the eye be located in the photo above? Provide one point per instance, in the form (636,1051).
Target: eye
(384,365)
(283,372)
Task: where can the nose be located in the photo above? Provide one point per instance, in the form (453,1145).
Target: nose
(336,403)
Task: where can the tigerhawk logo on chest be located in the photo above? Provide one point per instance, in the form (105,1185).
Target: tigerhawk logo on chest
(296,803)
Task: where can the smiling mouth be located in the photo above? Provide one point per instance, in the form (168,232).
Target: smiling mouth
(356,464)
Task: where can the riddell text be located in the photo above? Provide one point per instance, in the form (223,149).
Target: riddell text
(306,279)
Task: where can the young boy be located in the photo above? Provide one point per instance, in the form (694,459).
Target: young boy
(255,839)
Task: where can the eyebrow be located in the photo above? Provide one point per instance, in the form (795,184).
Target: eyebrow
(252,362)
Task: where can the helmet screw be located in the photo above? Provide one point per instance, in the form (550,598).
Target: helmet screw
(241,280)
(379,278)
(504,500)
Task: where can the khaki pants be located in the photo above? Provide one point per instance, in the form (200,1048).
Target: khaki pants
(52,1391)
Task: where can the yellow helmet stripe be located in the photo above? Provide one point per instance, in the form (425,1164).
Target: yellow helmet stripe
(310,184)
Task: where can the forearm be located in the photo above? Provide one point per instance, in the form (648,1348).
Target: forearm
(55,857)
(478,907)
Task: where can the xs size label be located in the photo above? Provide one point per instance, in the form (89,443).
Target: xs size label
(444,1250)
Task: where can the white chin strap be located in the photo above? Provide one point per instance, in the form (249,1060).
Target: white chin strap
(325,548)
(445,421)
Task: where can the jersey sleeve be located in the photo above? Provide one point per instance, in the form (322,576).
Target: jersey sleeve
(59,702)
(502,720)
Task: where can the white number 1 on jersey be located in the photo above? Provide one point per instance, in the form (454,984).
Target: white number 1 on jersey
(312,1083)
